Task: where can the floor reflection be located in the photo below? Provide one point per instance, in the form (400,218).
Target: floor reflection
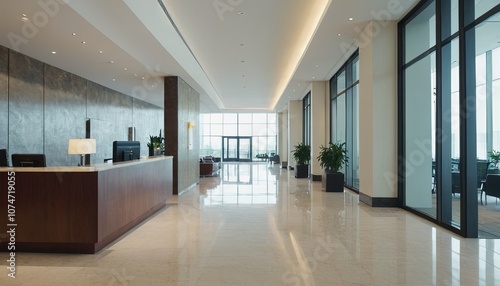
(243,184)
(256,224)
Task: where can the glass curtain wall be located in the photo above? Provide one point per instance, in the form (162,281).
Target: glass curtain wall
(344,123)
(447,109)
(261,127)
(306,117)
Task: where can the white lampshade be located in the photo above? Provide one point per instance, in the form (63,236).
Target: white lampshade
(81,146)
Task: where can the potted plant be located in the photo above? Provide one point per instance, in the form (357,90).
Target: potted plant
(155,145)
(331,159)
(302,155)
(495,159)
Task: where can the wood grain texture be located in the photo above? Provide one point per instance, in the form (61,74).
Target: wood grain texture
(82,212)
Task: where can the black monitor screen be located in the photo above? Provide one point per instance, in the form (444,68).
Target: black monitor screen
(3,158)
(28,160)
(126,150)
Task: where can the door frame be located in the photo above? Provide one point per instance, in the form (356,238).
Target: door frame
(237,159)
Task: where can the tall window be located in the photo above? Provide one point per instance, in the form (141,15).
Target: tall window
(261,127)
(306,117)
(344,95)
(448,107)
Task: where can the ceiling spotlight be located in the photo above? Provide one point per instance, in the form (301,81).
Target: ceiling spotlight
(338,34)
(314,77)
(240,12)
(74,34)
(24,15)
(111,62)
(25,19)
(143,77)
(124,69)
(114,79)
(83,42)
(317,65)
(54,52)
(100,52)
(135,74)
(350,19)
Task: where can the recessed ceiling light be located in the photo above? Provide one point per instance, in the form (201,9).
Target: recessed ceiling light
(54,52)
(317,65)
(350,19)
(143,77)
(114,79)
(24,15)
(111,62)
(74,34)
(25,19)
(83,42)
(125,69)
(240,12)
(338,34)
(314,77)
(293,91)
(135,74)
(100,52)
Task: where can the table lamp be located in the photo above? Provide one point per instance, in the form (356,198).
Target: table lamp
(81,147)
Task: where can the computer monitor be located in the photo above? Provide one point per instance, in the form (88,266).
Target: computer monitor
(28,160)
(126,150)
(4,162)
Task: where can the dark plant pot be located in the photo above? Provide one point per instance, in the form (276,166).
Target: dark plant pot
(151,151)
(301,171)
(333,182)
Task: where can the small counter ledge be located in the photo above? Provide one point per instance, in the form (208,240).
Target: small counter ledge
(87,168)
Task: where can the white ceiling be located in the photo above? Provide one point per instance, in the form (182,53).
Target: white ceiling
(239,55)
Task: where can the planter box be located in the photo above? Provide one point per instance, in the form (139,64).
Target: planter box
(333,182)
(301,171)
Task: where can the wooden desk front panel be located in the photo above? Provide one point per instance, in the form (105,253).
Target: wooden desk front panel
(126,194)
(52,207)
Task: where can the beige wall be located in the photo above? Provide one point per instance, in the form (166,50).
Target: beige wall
(318,123)
(294,128)
(378,111)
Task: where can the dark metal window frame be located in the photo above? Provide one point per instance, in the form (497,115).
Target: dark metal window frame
(467,97)
(306,119)
(350,83)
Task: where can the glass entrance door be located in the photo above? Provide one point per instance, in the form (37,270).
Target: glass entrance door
(237,148)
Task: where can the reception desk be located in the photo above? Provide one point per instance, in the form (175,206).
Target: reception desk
(80,209)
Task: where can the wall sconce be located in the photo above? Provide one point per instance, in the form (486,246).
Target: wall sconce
(81,147)
(191,127)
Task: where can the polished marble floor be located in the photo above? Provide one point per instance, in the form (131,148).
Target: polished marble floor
(258,225)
